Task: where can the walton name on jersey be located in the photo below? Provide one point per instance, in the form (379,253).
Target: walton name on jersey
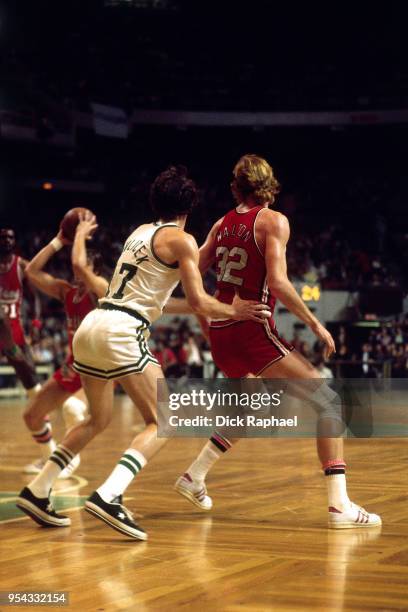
(243,232)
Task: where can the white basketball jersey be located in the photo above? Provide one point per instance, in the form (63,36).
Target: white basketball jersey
(141,281)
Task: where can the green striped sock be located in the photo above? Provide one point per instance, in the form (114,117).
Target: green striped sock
(131,462)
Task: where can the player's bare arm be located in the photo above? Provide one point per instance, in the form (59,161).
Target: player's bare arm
(207,250)
(183,248)
(206,261)
(275,229)
(45,282)
(80,264)
(23,263)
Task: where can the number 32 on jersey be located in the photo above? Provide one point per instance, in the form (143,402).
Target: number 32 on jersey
(229,261)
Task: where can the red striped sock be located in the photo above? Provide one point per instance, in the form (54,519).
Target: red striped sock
(223,444)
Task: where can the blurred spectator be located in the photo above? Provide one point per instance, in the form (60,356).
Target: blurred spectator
(193,358)
(43,351)
(325,371)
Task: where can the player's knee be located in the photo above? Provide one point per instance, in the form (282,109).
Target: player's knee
(98,423)
(32,421)
(328,403)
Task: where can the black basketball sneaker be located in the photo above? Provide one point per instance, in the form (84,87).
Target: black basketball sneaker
(41,510)
(116,515)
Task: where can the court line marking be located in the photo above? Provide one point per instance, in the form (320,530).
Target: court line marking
(81,482)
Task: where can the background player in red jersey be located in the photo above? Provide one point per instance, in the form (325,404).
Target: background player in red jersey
(248,247)
(79,299)
(12,341)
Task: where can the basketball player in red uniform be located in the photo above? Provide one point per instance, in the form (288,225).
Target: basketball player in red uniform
(79,299)
(248,247)
(12,341)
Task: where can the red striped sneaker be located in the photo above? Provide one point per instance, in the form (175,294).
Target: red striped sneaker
(353,518)
(193,491)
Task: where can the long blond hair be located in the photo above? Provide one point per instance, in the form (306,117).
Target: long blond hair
(254,177)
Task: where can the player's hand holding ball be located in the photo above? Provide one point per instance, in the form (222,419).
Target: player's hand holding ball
(87,224)
(74,218)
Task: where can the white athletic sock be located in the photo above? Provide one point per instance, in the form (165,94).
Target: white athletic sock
(73,412)
(45,440)
(200,467)
(59,460)
(131,462)
(337,492)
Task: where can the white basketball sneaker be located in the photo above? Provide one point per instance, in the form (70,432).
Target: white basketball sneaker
(193,491)
(354,517)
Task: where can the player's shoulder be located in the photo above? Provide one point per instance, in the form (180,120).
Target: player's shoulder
(21,262)
(272,220)
(177,239)
(186,239)
(217,225)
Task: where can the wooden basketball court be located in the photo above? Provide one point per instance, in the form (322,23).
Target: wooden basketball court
(265,545)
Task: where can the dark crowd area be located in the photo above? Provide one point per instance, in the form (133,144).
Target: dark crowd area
(253,48)
(344,187)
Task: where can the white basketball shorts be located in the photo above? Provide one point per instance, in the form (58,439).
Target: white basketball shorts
(110,344)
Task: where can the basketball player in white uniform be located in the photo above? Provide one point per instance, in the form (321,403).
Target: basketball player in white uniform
(110,345)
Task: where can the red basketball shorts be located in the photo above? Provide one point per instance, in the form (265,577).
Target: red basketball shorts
(246,347)
(67,378)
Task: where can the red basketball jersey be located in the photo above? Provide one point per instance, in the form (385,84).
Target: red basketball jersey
(76,309)
(239,262)
(11,298)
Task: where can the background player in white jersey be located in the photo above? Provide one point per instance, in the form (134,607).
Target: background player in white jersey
(110,344)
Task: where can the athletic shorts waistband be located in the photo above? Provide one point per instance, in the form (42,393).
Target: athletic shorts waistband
(129,311)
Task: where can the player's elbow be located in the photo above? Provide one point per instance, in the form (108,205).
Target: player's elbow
(196,303)
(277,284)
(29,271)
(77,267)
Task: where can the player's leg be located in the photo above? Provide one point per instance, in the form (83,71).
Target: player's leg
(34,499)
(105,503)
(191,484)
(19,358)
(74,409)
(342,512)
(50,397)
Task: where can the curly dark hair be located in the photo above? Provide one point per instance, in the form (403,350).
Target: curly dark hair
(173,194)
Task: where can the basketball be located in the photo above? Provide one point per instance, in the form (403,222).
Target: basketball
(70,221)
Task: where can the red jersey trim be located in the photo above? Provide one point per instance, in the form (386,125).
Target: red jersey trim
(253,229)
(223,323)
